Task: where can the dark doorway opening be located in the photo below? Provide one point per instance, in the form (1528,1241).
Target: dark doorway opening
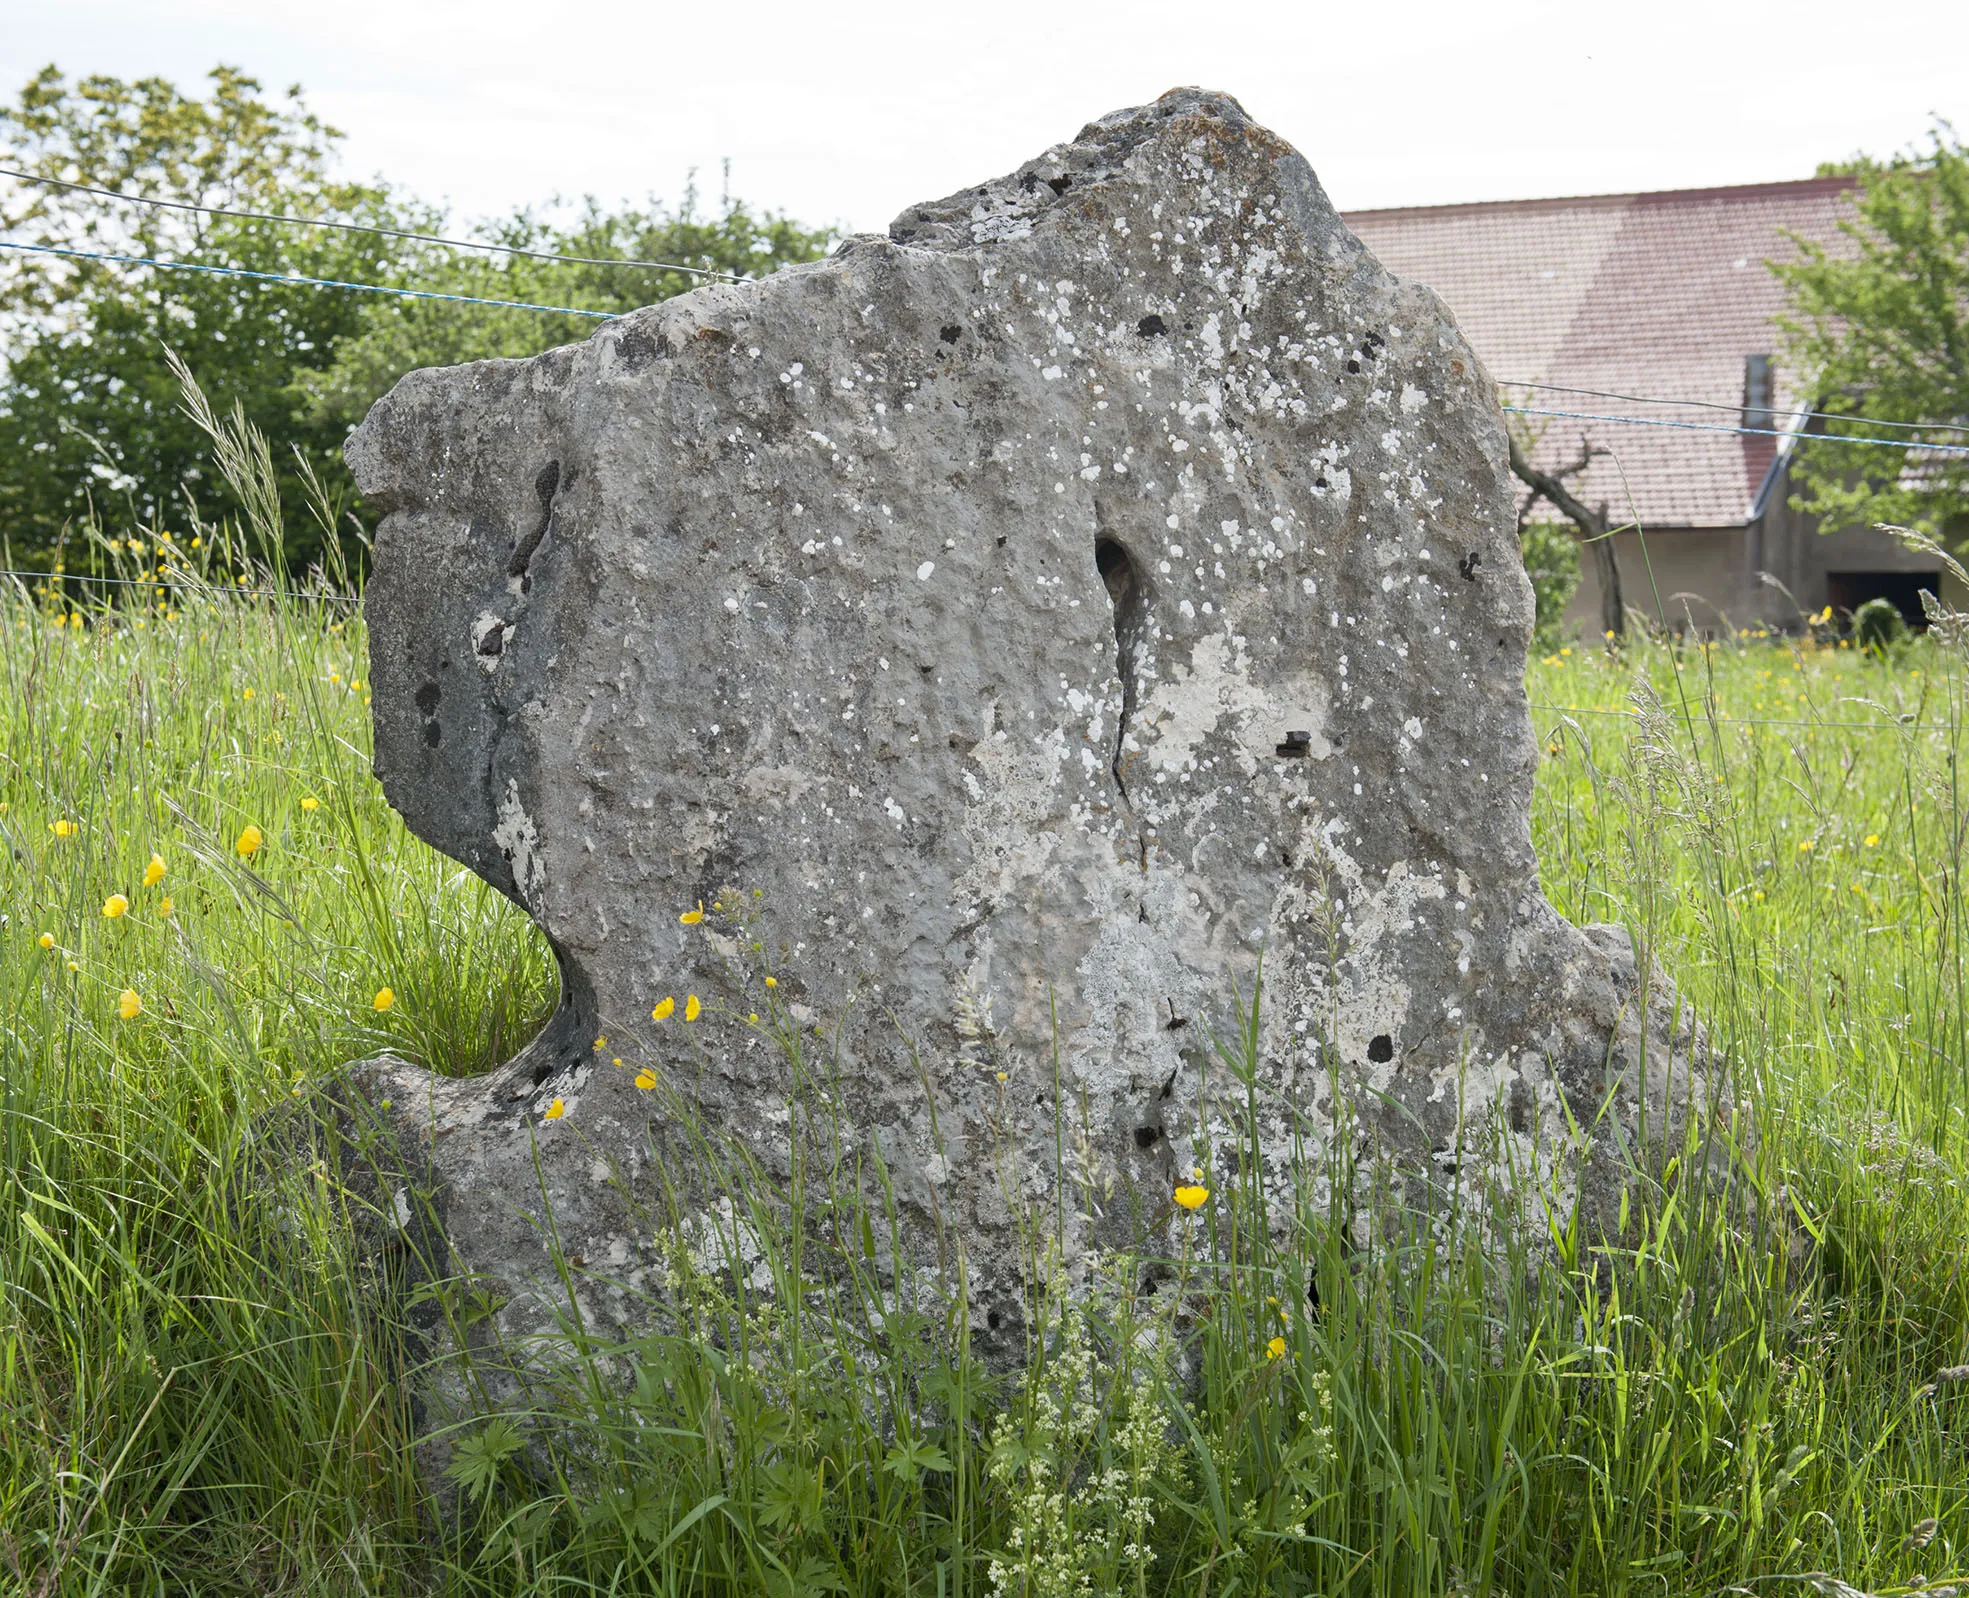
(1845,592)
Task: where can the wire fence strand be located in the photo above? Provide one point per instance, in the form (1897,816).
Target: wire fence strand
(1905,445)
(1717,405)
(303,282)
(368,227)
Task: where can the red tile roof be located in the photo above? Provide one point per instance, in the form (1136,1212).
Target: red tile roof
(1662,295)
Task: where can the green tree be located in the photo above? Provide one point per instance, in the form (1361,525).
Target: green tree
(90,408)
(602,267)
(1879,325)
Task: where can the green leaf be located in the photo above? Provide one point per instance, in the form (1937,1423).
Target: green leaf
(909,1463)
(476,1462)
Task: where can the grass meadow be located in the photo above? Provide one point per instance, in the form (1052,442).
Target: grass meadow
(208,908)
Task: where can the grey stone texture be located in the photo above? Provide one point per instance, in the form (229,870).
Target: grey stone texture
(1029,618)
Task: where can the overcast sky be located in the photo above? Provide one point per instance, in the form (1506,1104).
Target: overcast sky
(845,112)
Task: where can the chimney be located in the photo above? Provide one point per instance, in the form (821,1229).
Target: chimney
(1757,410)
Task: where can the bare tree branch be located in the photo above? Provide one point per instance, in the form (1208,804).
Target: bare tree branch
(1591,525)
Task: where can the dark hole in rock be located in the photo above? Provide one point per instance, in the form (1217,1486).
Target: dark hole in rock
(1001,540)
(493,642)
(1060,184)
(1469,563)
(1116,569)
(1152,326)
(1146,1136)
(1129,596)
(993,1319)
(1381,1048)
(951,334)
(1169,1087)
(1297,746)
(1353,366)
(433,733)
(428,697)
(545,485)
(542,1071)
(1319,482)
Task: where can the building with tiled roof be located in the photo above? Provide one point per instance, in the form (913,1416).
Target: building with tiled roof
(1662,297)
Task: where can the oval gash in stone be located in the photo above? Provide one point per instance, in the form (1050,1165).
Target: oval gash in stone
(1107,576)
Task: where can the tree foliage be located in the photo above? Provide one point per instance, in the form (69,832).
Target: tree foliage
(1879,324)
(90,420)
(89,413)
(734,241)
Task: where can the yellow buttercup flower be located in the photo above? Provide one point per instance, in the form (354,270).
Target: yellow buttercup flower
(600,1044)
(555,1110)
(1872,840)
(384,999)
(772,982)
(311,804)
(250,841)
(154,872)
(1806,847)
(63,828)
(663,1008)
(128,1005)
(46,940)
(692,1009)
(1275,1347)
(115,905)
(690,918)
(646,1079)
(1192,1198)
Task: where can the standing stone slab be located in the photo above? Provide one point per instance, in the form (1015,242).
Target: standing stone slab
(1106,577)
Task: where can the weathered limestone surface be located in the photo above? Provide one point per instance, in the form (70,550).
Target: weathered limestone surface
(1107,576)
